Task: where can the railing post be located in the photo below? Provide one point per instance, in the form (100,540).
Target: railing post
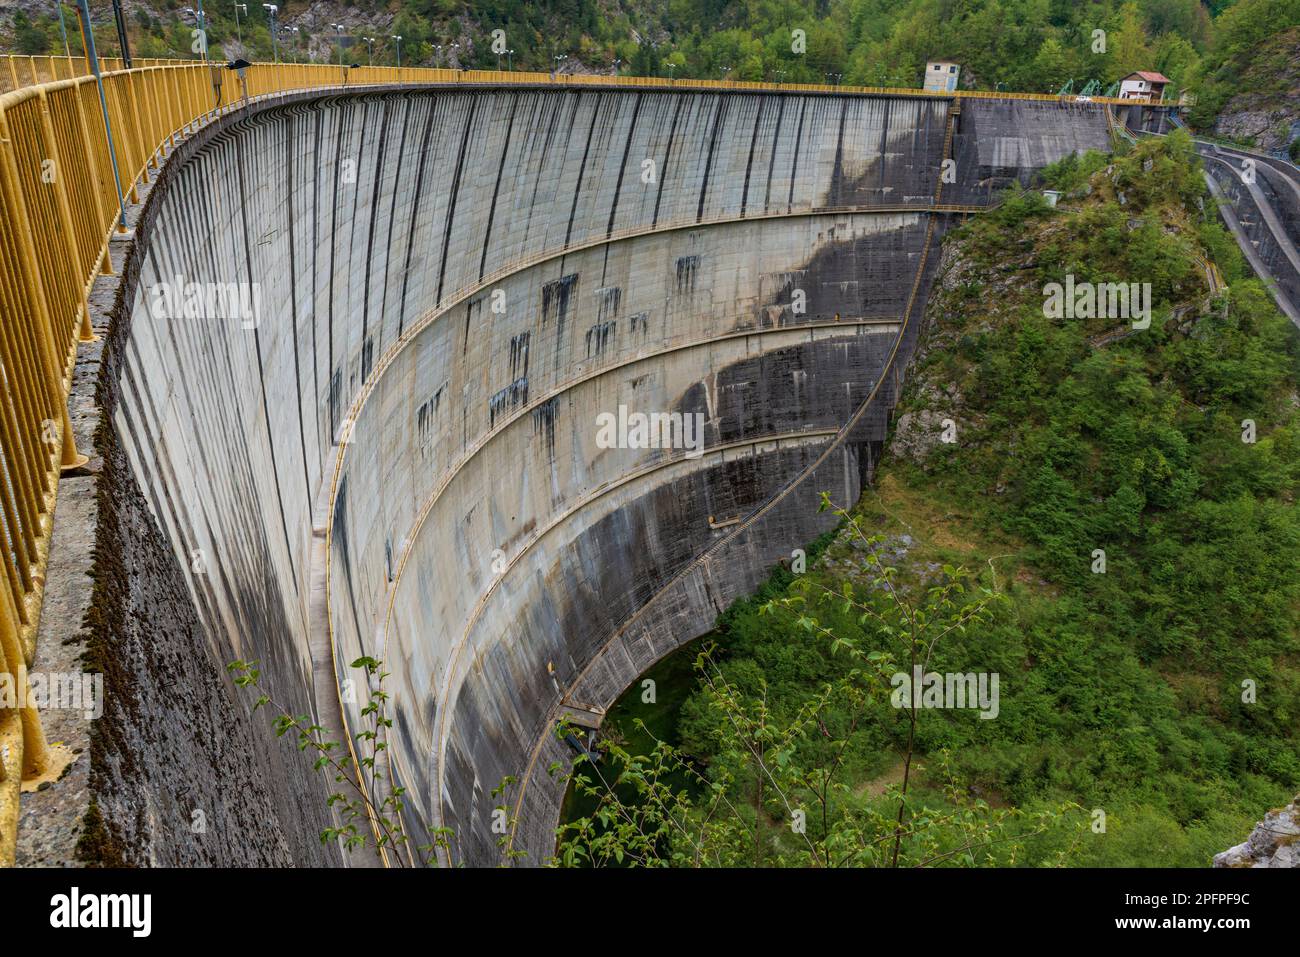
(85,331)
(29,469)
(69,458)
(35,752)
(106,268)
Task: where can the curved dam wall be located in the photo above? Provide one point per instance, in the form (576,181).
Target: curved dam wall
(1260,202)
(447,287)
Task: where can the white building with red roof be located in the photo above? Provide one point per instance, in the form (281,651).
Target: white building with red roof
(1143,85)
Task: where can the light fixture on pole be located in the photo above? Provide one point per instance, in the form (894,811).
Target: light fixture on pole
(398,41)
(271,10)
(338,28)
(202,30)
(370,50)
(238,30)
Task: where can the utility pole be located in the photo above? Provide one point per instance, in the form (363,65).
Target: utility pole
(120,22)
(63,32)
(88,40)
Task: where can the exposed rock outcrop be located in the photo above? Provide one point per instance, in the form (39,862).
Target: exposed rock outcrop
(1267,110)
(1275,842)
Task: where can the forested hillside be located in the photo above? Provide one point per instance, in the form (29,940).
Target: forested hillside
(1141,543)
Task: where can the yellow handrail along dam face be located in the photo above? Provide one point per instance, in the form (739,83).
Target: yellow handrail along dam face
(363,336)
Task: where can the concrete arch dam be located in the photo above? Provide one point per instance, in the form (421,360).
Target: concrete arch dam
(1259,199)
(391,446)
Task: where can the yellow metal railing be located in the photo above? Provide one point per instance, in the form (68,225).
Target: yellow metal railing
(17,72)
(59,206)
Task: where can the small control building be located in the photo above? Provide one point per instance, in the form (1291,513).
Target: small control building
(941,76)
(1143,85)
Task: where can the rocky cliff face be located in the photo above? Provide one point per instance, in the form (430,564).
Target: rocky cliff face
(1275,842)
(1267,111)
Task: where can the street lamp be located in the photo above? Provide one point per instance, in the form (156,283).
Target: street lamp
(398,40)
(203,33)
(338,28)
(271,10)
(238,30)
(370,50)
(293,44)
(510,62)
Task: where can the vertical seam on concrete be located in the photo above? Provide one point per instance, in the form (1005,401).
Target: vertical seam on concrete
(718,118)
(582,171)
(557,103)
(352,244)
(496,189)
(407,105)
(261,371)
(366,353)
(455,191)
(771,160)
(410,233)
(794,166)
(334,225)
(884,144)
(749,164)
(289,140)
(618,186)
(668,154)
(836,197)
(315,255)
